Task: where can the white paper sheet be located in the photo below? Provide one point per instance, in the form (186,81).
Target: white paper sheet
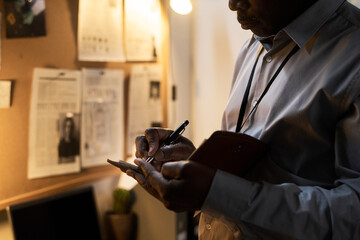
(54,118)
(145,105)
(5,93)
(142,29)
(102,131)
(100,30)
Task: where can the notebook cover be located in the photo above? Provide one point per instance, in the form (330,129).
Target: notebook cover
(232,152)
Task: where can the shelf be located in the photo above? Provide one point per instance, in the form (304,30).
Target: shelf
(64,182)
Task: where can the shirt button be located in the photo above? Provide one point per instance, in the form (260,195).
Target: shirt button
(255,102)
(208,227)
(268,59)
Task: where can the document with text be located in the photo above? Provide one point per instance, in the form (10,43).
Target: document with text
(54,137)
(142,30)
(102,132)
(145,104)
(100,31)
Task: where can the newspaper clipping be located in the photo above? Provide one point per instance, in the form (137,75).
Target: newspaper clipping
(54,141)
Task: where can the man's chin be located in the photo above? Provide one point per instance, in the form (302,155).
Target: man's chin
(247,27)
(256,31)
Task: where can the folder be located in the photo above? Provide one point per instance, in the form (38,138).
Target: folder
(235,153)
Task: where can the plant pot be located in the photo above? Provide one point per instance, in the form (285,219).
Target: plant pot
(121,226)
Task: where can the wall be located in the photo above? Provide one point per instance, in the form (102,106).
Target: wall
(203,48)
(180,69)
(217,39)
(155,221)
(202,72)
(19,57)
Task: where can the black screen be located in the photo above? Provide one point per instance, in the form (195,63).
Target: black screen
(68,215)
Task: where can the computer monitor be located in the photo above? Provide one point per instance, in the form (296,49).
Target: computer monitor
(67,215)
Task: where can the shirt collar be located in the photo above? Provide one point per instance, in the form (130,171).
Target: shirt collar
(303,28)
(267,42)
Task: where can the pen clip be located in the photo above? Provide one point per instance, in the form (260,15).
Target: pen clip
(180,133)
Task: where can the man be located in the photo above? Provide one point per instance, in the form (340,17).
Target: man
(304,103)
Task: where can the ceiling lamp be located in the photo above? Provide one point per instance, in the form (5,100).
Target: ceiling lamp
(182,7)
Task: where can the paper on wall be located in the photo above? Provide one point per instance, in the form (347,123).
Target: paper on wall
(145,105)
(5,93)
(100,30)
(54,123)
(142,29)
(102,134)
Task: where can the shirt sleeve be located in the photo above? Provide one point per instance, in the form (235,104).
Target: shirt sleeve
(302,212)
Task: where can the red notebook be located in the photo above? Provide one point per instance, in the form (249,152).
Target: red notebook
(232,152)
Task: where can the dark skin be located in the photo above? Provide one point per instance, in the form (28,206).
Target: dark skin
(182,185)
(267,17)
(173,181)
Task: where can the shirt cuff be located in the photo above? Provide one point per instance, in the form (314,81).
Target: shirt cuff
(229,196)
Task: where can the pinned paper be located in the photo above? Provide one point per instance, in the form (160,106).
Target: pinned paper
(5,93)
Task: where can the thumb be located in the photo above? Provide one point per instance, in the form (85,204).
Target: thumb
(173,170)
(177,151)
(154,178)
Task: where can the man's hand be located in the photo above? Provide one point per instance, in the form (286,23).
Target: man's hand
(149,145)
(180,186)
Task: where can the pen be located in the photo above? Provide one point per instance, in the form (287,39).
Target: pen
(173,136)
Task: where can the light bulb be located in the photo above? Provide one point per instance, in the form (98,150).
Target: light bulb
(182,7)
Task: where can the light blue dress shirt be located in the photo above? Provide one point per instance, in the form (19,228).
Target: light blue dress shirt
(308,185)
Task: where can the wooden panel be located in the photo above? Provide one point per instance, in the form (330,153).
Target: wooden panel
(19,57)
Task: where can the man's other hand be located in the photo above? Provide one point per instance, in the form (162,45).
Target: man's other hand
(180,186)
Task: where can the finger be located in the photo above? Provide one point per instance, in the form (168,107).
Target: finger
(154,136)
(166,188)
(155,178)
(157,165)
(175,151)
(142,182)
(146,168)
(137,176)
(173,170)
(142,147)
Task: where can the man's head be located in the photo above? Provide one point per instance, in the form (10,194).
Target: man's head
(267,17)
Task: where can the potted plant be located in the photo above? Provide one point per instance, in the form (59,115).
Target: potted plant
(122,221)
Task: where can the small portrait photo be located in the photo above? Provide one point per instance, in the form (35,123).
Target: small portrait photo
(69,142)
(154,89)
(24,18)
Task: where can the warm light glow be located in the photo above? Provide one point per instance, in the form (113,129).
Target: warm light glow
(182,7)
(69,115)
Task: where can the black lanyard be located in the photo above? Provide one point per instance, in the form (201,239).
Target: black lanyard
(240,122)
